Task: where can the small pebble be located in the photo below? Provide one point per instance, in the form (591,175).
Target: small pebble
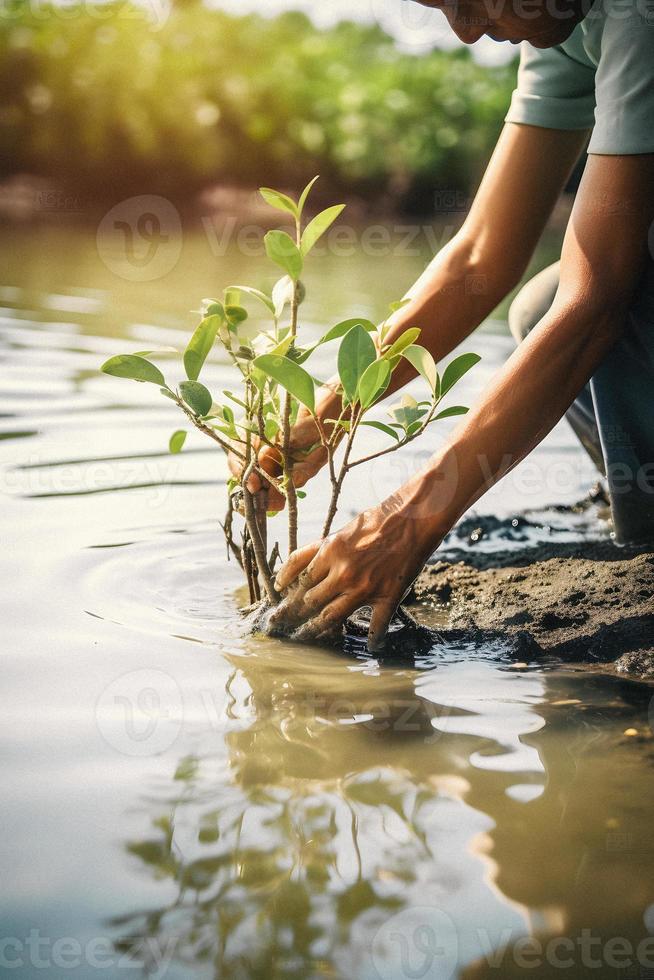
(631,732)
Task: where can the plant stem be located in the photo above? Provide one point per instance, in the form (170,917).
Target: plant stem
(398,445)
(337,481)
(252,507)
(258,544)
(248,568)
(227,528)
(287,462)
(208,431)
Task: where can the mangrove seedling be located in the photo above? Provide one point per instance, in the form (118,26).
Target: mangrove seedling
(272,382)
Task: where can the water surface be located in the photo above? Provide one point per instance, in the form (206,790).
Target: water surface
(182,799)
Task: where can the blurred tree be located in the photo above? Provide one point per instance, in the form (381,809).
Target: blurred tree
(117,101)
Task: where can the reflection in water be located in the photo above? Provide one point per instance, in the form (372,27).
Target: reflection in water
(344,806)
(358,792)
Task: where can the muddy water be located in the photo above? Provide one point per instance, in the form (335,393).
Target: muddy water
(186,799)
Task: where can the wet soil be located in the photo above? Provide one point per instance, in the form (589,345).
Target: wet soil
(522,583)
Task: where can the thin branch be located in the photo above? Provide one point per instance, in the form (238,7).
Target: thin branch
(248,566)
(227,528)
(400,444)
(287,462)
(258,544)
(337,481)
(226,446)
(274,556)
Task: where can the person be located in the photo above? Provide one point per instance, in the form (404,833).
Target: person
(586,326)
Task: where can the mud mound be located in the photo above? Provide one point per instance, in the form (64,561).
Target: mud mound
(581,600)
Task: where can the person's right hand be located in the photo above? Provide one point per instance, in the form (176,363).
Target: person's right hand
(304,434)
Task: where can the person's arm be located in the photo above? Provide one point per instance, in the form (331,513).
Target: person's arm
(375,557)
(474,271)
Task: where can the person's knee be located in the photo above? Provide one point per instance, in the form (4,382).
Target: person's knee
(521,317)
(532,302)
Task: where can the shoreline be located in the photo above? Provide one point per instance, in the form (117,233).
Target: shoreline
(585,601)
(27,198)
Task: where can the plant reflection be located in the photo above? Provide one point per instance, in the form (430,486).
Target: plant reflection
(346,795)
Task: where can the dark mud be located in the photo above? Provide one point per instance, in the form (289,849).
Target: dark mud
(541,586)
(546,585)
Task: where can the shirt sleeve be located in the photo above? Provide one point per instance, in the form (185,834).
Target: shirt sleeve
(624,82)
(554,90)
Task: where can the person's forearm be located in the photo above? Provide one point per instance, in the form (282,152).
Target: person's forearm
(460,287)
(526,398)
(457,290)
(487,257)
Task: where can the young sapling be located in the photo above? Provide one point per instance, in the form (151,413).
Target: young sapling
(272,384)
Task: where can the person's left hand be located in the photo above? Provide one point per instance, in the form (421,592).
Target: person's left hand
(372,561)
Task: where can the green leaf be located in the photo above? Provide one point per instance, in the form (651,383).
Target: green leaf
(278,200)
(236,314)
(341,423)
(304,195)
(211,307)
(232,296)
(407,412)
(398,304)
(373,383)
(281,248)
(258,378)
(403,341)
(168,393)
(423,362)
(290,376)
(158,350)
(456,369)
(237,401)
(300,494)
(244,353)
(177,440)
(226,430)
(340,329)
(356,352)
(318,226)
(283,346)
(196,396)
(382,428)
(200,344)
(135,367)
(258,294)
(449,412)
(271,428)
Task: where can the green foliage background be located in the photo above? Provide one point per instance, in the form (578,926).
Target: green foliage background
(110,100)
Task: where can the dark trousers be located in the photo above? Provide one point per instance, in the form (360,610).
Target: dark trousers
(613,416)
